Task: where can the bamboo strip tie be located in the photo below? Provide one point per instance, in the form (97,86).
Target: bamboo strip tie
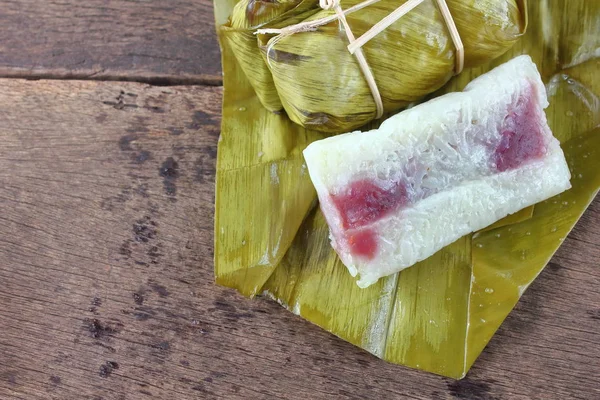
(355,46)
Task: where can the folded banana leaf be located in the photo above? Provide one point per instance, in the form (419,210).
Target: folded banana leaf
(438,315)
(319,83)
(247,17)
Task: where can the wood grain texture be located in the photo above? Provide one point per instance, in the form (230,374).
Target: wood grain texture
(156,41)
(107,285)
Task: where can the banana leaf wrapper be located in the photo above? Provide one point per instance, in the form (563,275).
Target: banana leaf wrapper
(439,315)
(319,83)
(250,15)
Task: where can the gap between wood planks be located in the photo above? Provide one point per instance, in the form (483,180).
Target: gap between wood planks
(150,80)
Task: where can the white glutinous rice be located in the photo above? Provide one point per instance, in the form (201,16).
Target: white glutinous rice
(438,171)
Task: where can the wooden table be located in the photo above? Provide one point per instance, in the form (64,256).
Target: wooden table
(109,121)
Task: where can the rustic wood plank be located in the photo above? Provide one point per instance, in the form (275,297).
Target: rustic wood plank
(107,285)
(155,41)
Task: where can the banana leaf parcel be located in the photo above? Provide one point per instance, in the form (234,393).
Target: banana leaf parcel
(313,77)
(439,315)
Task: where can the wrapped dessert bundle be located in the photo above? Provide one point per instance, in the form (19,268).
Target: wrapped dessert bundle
(311,74)
(272,239)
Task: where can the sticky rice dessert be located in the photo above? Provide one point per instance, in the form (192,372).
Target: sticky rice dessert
(436,172)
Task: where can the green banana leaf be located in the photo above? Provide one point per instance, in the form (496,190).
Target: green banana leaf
(439,315)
